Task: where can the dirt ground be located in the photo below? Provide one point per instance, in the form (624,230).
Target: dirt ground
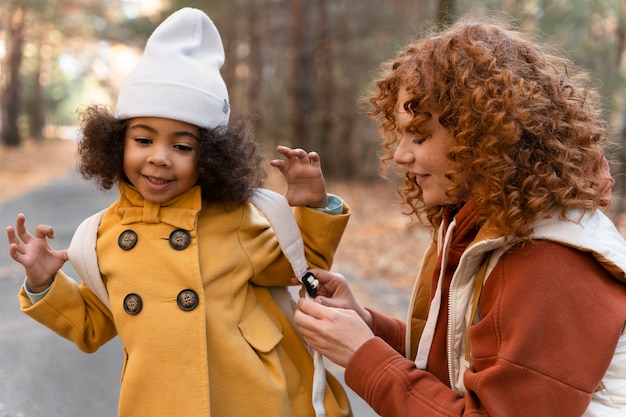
(378,242)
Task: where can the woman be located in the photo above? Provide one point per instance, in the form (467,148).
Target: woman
(521,299)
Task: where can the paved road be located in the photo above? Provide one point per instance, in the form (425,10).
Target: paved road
(43,375)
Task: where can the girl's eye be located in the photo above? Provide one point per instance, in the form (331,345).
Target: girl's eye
(419,140)
(183,148)
(143,141)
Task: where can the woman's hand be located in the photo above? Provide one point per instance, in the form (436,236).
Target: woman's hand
(334,332)
(40,261)
(334,323)
(334,291)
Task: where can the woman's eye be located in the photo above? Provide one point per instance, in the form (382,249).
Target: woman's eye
(419,140)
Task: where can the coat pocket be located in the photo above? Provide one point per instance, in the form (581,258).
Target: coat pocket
(124,365)
(259,330)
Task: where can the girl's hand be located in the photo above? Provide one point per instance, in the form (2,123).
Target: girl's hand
(40,261)
(303,173)
(334,332)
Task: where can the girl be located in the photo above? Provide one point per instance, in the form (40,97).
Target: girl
(185,258)
(520,304)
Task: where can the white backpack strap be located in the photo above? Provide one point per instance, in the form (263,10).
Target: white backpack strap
(82,255)
(276,209)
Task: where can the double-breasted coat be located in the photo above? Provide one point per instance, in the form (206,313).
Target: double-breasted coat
(187,284)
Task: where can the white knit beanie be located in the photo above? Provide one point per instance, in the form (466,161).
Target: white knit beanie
(178,77)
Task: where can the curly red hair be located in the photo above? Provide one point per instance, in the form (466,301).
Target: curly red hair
(526,125)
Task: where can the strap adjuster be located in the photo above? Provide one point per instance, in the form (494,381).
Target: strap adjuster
(310,283)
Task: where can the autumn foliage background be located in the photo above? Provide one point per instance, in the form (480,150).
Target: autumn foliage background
(300,68)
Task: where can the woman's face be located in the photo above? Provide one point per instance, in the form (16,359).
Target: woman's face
(424,154)
(161,157)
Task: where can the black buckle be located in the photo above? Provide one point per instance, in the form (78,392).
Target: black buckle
(311,284)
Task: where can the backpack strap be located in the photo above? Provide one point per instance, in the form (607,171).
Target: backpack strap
(276,209)
(82,255)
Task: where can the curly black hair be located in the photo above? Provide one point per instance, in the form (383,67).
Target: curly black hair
(230,160)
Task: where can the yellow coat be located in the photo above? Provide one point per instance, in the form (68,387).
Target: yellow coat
(232,353)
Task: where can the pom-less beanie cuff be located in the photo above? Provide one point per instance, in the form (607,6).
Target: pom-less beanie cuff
(156,98)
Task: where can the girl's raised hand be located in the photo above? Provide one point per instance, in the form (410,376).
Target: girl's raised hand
(40,261)
(303,173)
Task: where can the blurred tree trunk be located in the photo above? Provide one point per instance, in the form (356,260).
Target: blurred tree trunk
(37,105)
(255,59)
(325,79)
(341,152)
(10,93)
(302,65)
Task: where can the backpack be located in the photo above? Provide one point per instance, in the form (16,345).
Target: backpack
(82,254)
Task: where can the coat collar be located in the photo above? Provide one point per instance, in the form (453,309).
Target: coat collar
(180,212)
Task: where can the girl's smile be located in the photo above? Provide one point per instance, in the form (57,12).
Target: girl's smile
(161,157)
(156,184)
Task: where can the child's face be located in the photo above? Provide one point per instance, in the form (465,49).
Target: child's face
(424,154)
(161,157)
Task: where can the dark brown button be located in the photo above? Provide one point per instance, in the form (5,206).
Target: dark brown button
(187,300)
(179,239)
(127,240)
(132,304)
